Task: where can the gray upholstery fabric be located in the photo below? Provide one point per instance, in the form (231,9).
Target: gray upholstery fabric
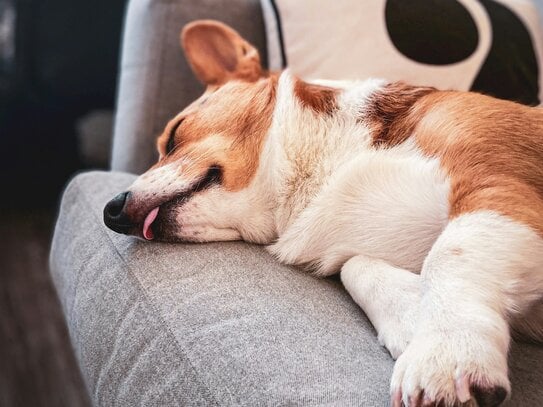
(155,80)
(216,324)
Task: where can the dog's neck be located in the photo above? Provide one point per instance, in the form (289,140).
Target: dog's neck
(304,147)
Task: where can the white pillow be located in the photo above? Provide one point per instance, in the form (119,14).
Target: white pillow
(490,46)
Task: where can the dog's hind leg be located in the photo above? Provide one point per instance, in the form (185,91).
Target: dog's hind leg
(389,296)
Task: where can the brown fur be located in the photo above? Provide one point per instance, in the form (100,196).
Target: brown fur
(388,113)
(321,99)
(226,127)
(226,130)
(491,149)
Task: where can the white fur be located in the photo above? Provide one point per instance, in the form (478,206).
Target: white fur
(220,215)
(451,323)
(389,296)
(484,270)
(338,197)
(165,180)
(388,204)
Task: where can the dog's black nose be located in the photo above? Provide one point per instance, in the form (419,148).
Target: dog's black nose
(115,217)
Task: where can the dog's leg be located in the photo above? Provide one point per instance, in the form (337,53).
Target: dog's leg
(389,296)
(483,269)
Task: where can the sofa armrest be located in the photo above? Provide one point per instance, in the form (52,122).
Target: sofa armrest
(155,79)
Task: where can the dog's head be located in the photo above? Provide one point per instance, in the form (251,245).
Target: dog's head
(202,187)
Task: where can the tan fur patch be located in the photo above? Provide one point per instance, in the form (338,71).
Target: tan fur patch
(320,99)
(225,128)
(491,149)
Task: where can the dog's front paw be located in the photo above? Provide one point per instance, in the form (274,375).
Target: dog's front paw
(450,369)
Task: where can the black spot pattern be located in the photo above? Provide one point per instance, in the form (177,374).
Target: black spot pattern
(436,32)
(510,70)
(442,32)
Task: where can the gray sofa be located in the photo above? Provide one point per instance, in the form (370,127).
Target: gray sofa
(217,324)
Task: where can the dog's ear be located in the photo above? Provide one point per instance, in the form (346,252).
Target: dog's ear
(217,53)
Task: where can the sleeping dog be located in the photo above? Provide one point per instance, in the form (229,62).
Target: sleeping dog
(429,203)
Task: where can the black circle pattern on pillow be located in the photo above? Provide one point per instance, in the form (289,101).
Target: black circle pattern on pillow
(510,70)
(436,32)
(442,32)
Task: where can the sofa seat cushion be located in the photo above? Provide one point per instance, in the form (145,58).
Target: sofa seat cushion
(215,324)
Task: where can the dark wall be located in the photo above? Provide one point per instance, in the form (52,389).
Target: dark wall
(66,64)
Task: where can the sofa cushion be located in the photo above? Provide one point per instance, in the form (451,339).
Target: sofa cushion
(216,324)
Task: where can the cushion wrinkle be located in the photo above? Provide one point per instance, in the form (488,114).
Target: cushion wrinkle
(130,370)
(76,290)
(112,356)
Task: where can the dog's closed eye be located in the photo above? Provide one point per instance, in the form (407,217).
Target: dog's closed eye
(170,145)
(212,177)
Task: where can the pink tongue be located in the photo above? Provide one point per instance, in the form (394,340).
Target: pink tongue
(147,231)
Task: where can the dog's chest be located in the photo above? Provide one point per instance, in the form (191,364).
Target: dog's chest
(388,204)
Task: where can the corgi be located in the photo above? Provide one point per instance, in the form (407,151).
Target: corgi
(428,203)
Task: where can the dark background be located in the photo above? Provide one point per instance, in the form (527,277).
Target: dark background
(58,64)
(65,65)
